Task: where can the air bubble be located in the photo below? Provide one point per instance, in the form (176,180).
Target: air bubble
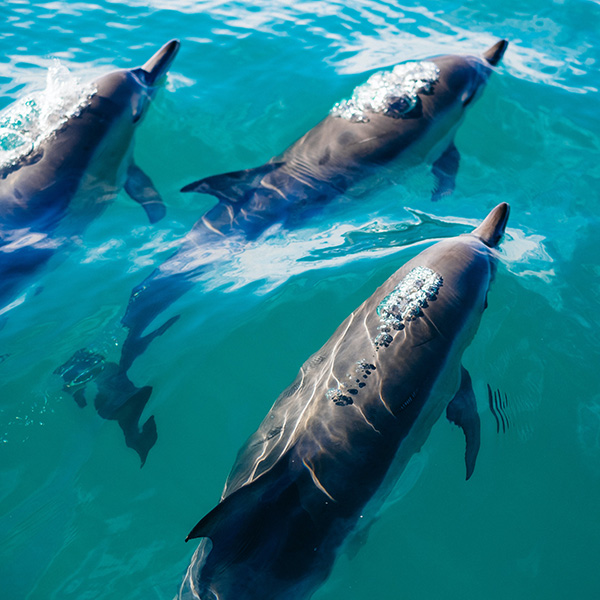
(391,93)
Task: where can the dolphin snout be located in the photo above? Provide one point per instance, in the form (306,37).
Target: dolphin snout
(159,64)
(492,229)
(494,54)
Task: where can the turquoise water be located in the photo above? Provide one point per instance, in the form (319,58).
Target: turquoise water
(80,519)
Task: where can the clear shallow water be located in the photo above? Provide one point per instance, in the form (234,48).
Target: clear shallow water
(79,519)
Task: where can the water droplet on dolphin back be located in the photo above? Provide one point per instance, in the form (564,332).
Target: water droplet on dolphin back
(406,302)
(391,93)
(29,121)
(338,397)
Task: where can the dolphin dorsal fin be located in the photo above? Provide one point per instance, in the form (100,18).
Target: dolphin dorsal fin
(235,513)
(208,525)
(232,187)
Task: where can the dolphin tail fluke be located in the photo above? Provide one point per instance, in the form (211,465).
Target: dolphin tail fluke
(462,411)
(119,399)
(141,189)
(232,187)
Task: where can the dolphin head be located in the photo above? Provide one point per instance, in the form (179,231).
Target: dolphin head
(101,134)
(493,55)
(132,89)
(469,263)
(462,78)
(459,272)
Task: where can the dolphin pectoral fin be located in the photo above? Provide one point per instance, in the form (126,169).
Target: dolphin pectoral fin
(462,411)
(444,170)
(141,189)
(231,186)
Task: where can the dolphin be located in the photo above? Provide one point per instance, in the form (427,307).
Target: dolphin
(51,194)
(410,113)
(330,449)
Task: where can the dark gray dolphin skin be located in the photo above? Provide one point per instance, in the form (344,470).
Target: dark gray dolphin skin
(53,193)
(319,166)
(335,442)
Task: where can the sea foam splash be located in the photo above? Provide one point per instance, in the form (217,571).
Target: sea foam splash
(391,93)
(29,121)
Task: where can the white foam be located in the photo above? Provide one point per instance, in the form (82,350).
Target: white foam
(27,122)
(390,93)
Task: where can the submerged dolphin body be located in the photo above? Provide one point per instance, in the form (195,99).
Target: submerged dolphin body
(329,451)
(51,194)
(410,113)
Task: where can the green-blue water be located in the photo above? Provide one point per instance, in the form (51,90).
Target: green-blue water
(79,519)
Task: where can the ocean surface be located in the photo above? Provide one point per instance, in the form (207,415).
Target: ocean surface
(80,520)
